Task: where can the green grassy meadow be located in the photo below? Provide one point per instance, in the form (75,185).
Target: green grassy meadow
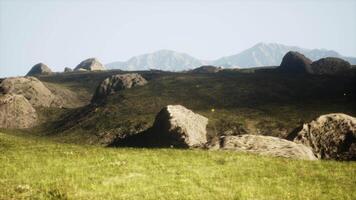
(33,167)
(63,157)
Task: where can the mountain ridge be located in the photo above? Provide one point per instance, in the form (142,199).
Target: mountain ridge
(261,54)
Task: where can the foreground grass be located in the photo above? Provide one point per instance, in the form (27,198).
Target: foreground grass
(35,168)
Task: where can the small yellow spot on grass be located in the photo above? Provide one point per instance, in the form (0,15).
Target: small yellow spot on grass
(212,110)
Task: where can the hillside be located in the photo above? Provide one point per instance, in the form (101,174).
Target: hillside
(260,102)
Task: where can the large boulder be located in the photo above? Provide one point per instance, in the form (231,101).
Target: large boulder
(116,83)
(207,69)
(67,69)
(331,136)
(16,112)
(31,88)
(180,127)
(265,145)
(295,62)
(330,65)
(39,69)
(90,64)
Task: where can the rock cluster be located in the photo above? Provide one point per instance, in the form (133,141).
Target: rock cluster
(295,62)
(90,64)
(331,136)
(117,83)
(39,69)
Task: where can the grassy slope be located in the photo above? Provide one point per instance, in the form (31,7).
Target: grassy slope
(257,103)
(36,168)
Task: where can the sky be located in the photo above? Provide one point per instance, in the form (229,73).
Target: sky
(62,33)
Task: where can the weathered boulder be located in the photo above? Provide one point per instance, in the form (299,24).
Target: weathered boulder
(331,136)
(116,83)
(16,112)
(90,64)
(207,69)
(264,145)
(330,65)
(295,62)
(67,69)
(31,88)
(180,127)
(39,69)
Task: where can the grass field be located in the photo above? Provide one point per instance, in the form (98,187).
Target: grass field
(34,167)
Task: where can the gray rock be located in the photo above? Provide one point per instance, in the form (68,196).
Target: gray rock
(31,88)
(117,83)
(39,69)
(180,127)
(207,69)
(264,145)
(67,69)
(330,65)
(16,112)
(90,64)
(331,136)
(295,62)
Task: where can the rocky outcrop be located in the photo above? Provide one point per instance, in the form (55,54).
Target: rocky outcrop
(16,112)
(39,69)
(180,127)
(116,83)
(90,64)
(263,145)
(207,69)
(331,136)
(31,88)
(295,62)
(67,69)
(330,65)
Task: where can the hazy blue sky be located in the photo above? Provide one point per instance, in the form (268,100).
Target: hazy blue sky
(63,33)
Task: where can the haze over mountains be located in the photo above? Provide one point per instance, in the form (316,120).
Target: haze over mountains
(261,54)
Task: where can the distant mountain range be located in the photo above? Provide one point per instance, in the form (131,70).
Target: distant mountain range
(262,54)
